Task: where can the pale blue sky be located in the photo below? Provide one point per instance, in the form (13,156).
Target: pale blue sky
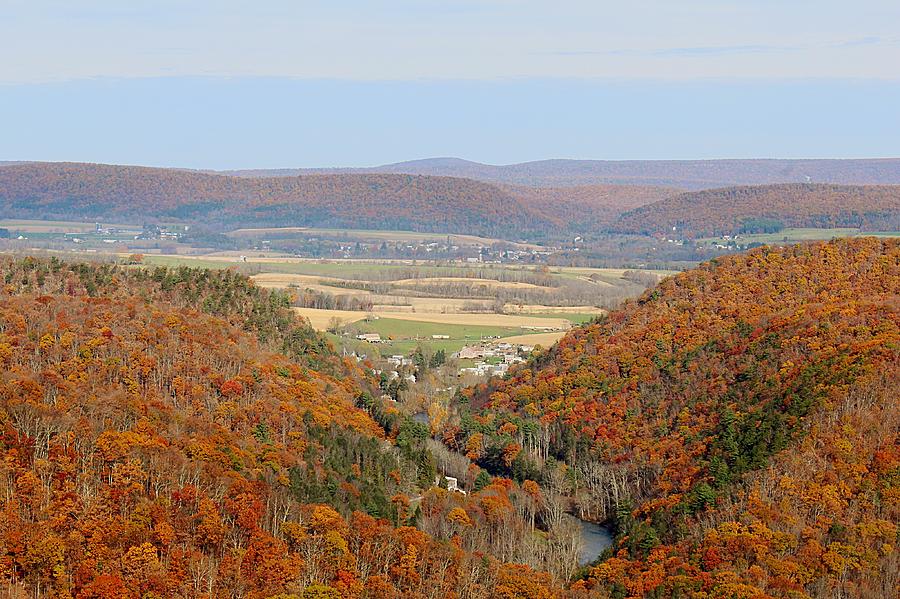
(226,83)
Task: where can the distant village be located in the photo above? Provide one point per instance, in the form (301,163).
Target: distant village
(491,357)
(112,234)
(433,250)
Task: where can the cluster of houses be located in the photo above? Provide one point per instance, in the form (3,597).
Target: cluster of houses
(398,360)
(493,358)
(158,232)
(491,256)
(508,352)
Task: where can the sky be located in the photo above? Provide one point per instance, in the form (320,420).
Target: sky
(278,83)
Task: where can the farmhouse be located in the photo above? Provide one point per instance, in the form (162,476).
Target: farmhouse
(398,360)
(452,483)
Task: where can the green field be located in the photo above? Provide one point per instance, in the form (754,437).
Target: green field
(573,317)
(404,335)
(412,331)
(796,235)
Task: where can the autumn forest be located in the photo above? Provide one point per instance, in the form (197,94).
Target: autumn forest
(437,204)
(449,299)
(176,432)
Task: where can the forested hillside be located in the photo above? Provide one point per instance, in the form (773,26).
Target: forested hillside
(766,209)
(175,433)
(92,192)
(374,201)
(738,425)
(588,209)
(85,191)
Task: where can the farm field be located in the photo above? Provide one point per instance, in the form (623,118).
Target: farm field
(793,235)
(407,303)
(401,333)
(400,336)
(573,317)
(354,269)
(413,304)
(542,339)
(479,320)
(57,226)
(479,282)
(321,319)
(363,234)
(551,310)
(275,280)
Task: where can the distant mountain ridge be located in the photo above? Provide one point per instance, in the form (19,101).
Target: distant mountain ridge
(685,174)
(439,203)
(767,208)
(344,200)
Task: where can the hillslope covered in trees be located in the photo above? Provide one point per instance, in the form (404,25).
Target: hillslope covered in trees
(738,424)
(72,191)
(767,208)
(177,433)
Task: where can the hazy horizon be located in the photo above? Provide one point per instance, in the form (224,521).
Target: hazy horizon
(223,85)
(438,158)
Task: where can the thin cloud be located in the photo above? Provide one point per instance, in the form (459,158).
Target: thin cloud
(682,51)
(724,50)
(705,51)
(863,41)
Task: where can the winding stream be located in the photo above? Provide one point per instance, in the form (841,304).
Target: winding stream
(595,539)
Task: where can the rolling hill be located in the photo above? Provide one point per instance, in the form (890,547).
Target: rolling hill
(366,201)
(588,209)
(88,191)
(684,174)
(738,426)
(765,209)
(431,204)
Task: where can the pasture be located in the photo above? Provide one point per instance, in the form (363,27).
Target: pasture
(795,235)
(408,303)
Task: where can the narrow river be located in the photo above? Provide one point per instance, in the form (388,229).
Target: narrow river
(595,539)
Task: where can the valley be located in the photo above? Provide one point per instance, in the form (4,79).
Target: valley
(445,305)
(480,299)
(544,413)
